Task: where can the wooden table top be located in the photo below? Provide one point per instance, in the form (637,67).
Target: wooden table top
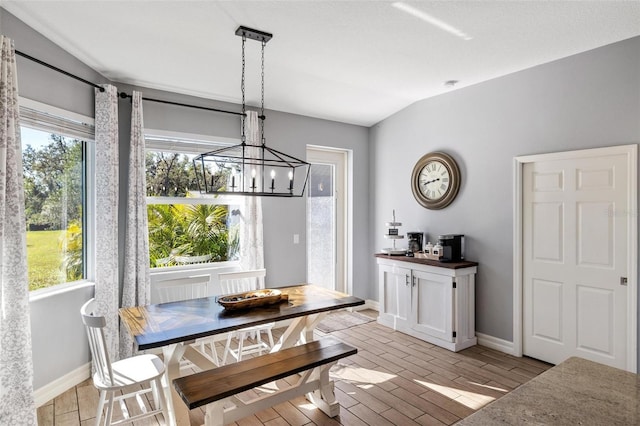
(449,265)
(163,324)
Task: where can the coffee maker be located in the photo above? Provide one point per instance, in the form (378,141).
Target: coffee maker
(414,240)
(452,247)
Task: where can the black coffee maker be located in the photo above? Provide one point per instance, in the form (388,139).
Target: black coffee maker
(452,247)
(414,241)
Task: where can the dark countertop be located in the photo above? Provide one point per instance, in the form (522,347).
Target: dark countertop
(428,262)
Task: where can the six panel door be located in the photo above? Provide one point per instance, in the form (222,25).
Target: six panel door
(574,255)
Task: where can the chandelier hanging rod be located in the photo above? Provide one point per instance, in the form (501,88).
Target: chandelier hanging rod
(251,168)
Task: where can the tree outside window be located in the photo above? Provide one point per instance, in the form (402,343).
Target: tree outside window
(53,170)
(184,226)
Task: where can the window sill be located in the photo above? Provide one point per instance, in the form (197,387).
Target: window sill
(44,293)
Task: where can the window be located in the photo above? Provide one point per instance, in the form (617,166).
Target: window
(185,226)
(54,156)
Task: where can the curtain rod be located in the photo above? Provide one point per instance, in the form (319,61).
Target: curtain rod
(68,74)
(121,94)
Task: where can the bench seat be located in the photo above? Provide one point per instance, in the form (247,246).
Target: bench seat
(312,359)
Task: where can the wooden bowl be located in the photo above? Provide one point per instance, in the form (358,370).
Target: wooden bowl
(251,299)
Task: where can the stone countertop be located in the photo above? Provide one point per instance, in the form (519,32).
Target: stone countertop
(575,392)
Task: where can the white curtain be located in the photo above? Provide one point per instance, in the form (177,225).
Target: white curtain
(251,243)
(106,232)
(17,406)
(136,289)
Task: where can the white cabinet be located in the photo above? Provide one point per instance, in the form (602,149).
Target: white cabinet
(429,300)
(395,299)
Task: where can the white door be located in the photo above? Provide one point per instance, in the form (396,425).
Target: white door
(432,305)
(575,224)
(395,297)
(326,218)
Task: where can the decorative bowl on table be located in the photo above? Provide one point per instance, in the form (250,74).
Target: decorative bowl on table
(251,299)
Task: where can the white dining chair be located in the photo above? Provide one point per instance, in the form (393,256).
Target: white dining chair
(111,378)
(239,282)
(186,288)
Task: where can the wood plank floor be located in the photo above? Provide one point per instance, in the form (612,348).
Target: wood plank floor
(394,379)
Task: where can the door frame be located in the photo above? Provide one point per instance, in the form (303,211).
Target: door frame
(344,227)
(631,151)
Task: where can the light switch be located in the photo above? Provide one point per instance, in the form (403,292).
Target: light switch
(296,238)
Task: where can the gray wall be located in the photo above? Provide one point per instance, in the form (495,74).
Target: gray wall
(583,101)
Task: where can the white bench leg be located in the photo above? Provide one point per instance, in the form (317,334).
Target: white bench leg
(325,398)
(214,414)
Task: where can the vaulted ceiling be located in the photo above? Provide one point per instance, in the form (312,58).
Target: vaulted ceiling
(350,61)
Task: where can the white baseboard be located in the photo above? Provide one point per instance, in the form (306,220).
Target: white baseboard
(368,304)
(49,391)
(495,343)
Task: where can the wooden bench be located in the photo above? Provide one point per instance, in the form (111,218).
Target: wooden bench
(217,387)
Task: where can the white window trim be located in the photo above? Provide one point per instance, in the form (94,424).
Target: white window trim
(196,141)
(89,207)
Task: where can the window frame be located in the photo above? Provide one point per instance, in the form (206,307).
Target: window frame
(88,195)
(193,144)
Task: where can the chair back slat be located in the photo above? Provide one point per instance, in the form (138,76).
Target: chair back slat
(95,326)
(241,281)
(183,288)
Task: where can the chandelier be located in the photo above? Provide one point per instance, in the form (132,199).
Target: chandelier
(251,168)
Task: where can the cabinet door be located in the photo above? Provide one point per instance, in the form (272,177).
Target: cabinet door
(395,296)
(432,308)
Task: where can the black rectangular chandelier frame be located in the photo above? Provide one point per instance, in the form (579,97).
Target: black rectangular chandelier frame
(251,169)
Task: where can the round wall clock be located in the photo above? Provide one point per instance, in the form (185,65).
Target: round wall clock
(435,180)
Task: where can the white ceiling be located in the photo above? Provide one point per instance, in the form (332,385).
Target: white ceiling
(350,61)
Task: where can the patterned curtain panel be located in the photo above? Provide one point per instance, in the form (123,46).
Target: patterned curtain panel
(106,232)
(17,406)
(251,243)
(137,285)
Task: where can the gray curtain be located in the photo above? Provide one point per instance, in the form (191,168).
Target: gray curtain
(106,231)
(137,285)
(251,235)
(17,406)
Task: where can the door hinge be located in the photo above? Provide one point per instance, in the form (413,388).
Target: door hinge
(454,334)
(413,281)
(623,280)
(454,284)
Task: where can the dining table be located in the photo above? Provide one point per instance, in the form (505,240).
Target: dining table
(173,326)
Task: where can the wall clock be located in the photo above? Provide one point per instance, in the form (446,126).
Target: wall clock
(435,180)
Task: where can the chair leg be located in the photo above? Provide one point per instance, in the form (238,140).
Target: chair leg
(241,337)
(161,402)
(270,335)
(259,342)
(100,407)
(109,415)
(214,352)
(154,392)
(227,348)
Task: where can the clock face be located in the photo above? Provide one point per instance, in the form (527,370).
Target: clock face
(435,180)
